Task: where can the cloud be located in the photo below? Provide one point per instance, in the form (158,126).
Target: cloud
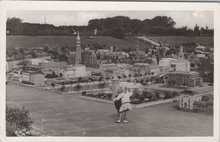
(191,18)
(182,18)
(84,17)
(198,14)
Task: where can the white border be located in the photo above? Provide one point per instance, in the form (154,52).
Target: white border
(69,5)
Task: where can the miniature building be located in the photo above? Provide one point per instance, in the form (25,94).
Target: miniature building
(52,66)
(205,104)
(72,58)
(178,79)
(180,65)
(33,77)
(154,69)
(165,64)
(89,58)
(188,100)
(170,64)
(75,71)
(140,69)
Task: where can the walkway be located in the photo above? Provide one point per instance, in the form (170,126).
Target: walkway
(146,39)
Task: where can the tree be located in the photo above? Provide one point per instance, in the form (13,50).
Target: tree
(33,54)
(79,79)
(24,64)
(101,78)
(102,85)
(78,87)
(119,77)
(18,120)
(118,33)
(107,78)
(61,75)
(53,75)
(21,53)
(124,76)
(14,25)
(163,21)
(62,88)
(53,85)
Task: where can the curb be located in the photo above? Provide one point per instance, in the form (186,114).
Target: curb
(133,105)
(96,100)
(31,86)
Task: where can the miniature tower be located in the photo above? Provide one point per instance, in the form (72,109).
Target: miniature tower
(137,46)
(78,50)
(111,49)
(181,54)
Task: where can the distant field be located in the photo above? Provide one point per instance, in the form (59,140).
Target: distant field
(70,41)
(175,40)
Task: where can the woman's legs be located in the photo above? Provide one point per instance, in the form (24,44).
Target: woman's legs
(120,117)
(125,115)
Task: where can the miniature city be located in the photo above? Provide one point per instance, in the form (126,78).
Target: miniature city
(161,74)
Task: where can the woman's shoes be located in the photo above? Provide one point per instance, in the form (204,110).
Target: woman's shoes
(125,121)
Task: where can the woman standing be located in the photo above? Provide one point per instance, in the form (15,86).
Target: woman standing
(126,106)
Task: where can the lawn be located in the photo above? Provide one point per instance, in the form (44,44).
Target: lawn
(70,41)
(176,40)
(68,115)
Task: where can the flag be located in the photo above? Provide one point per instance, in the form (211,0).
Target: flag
(95,31)
(74,32)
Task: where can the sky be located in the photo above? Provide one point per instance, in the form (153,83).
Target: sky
(57,18)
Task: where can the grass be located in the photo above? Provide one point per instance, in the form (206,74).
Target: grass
(68,115)
(70,41)
(175,40)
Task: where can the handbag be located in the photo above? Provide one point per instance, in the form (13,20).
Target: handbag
(118,104)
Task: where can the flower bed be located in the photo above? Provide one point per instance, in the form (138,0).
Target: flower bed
(136,99)
(106,96)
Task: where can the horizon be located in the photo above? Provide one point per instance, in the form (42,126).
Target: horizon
(81,18)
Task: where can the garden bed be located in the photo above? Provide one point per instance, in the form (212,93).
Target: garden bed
(105,98)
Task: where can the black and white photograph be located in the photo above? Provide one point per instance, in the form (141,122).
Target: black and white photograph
(110,73)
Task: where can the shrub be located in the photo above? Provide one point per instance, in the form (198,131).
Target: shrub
(136,101)
(53,75)
(84,93)
(62,88)
(78,87)
(18,121)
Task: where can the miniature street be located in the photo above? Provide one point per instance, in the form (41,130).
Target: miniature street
(68,115)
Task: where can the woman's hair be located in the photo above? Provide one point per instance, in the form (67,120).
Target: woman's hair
(120,90)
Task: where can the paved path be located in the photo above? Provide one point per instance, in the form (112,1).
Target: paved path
(148,40)
(67,115)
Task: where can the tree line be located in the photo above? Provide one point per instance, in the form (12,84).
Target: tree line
(118,27)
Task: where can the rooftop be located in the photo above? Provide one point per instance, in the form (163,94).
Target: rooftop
(184,72)
(141,64)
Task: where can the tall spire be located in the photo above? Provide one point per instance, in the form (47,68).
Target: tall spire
(181,54)
(137,45)
(78,37)
(78,50)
